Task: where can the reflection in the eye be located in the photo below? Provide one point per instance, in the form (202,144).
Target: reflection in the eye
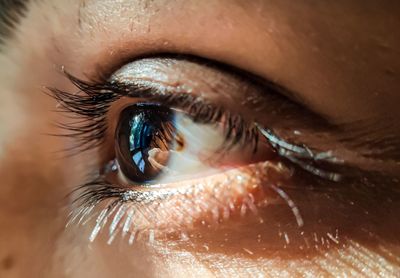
(254,189)
(143,138)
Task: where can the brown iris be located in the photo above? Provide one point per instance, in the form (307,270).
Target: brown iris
(144,137)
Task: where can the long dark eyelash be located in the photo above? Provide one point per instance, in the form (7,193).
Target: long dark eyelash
(89,108)
(89,126)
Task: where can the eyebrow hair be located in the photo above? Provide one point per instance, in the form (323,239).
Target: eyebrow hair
(11,12)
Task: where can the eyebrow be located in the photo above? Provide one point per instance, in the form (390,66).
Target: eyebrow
(11,12)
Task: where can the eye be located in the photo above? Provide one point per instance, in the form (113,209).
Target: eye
(156,144)
(186,145)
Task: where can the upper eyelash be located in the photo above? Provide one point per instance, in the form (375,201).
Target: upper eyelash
(93,101)
(89,110)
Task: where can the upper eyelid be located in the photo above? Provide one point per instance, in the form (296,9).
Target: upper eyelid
(266,91)
(350,130)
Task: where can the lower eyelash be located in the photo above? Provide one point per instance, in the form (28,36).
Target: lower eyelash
(123,203)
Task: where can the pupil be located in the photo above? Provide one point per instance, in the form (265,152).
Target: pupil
(144,136)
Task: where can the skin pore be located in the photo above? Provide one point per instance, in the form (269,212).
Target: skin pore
(340,59)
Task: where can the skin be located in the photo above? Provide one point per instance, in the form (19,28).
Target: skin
(339,58)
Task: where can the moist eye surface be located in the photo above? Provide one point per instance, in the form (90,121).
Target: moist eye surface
(143,139)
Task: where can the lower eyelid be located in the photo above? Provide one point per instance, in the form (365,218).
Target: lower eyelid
(181,207)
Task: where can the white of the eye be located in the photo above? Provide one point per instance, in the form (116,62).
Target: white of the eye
(200,140)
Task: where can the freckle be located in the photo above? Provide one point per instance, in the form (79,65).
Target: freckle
(7,262)
(389,72)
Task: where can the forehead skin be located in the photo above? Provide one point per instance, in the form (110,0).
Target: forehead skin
(341,58)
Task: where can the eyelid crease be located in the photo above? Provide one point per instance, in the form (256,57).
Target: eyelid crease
(360,136)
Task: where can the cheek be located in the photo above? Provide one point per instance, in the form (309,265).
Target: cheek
(30,194)
(33,214)
(76,257)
